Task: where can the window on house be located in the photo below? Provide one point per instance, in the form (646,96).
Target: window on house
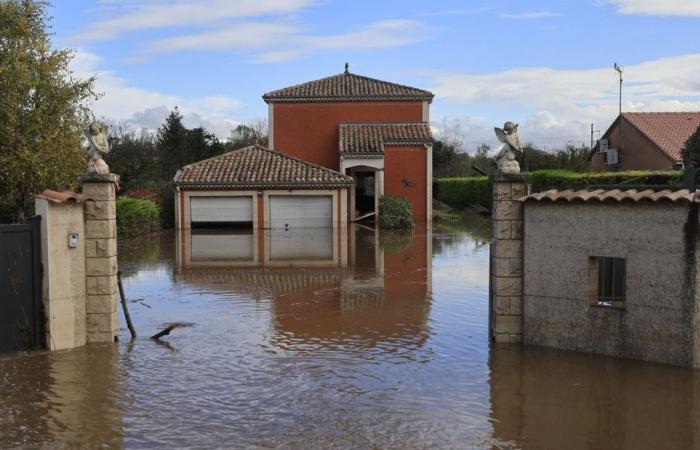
(608,279)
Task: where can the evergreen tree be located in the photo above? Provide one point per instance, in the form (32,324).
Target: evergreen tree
(43,108)
(691,150)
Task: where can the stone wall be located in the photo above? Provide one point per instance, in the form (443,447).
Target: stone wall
(659,315)
(101,259)
(506,258)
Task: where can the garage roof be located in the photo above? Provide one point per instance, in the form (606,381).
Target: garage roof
(257,167)
(370,138)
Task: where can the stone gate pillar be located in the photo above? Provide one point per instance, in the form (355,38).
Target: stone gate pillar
(101,258)
(507,258)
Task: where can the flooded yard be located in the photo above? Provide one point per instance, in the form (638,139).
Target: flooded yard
(323,340)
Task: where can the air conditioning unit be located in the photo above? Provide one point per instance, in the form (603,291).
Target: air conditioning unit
(612,157)
(603,145)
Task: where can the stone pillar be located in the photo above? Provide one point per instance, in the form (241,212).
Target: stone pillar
(101,258)
(507,258)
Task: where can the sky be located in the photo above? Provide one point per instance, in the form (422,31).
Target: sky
(547,65)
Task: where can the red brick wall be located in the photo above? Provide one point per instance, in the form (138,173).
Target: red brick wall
(309,131)
(405,176)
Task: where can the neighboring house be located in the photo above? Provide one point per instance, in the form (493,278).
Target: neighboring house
(260,188)
(645,141)
(373,130)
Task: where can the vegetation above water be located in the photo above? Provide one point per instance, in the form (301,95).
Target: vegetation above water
(43,110)
(469,191)
(544,180)
(137,216)
(395,213)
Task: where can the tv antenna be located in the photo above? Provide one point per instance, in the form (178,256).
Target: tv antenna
(619,70)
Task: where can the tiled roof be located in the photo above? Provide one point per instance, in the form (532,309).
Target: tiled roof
(667,130)
(347,87)
(370,138)
(612,195)
(258,167)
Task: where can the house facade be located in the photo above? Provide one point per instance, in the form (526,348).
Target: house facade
(259,188)
(375,131)
(644,141)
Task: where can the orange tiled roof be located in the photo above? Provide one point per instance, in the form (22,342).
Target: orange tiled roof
(611,195)
(257,167)
(62,197)
(370,138)
(347,87)
(667,130)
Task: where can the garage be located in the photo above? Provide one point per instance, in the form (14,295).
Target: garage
(220,211)
(301,211)
(259,188)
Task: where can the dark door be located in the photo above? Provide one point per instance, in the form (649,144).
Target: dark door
(21,315)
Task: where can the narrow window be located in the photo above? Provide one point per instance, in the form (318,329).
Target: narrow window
(608,279)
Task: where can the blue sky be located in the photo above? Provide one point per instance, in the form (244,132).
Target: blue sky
(544,64)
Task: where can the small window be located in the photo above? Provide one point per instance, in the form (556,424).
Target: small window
(608,279)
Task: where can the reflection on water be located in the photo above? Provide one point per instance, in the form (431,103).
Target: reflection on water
(330,339)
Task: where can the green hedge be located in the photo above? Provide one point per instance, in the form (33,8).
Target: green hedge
(462,192)
(137,216)
(544,180)
(395,213)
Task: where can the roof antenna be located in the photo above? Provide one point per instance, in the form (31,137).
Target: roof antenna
(619,70)
(347,68)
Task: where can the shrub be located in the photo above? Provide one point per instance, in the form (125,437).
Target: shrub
(544,180)
(462,192)
(395,213)
(137,216)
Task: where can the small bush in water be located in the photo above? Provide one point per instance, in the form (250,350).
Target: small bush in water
(137,216)
(395,213)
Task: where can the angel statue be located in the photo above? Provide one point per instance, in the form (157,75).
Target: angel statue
(99,146)
(505,159)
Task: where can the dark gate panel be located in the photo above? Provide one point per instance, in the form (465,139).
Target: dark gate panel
(21,314)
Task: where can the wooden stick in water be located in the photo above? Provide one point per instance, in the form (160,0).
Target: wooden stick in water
(126,309)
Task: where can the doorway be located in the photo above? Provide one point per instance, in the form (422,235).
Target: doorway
(364,193)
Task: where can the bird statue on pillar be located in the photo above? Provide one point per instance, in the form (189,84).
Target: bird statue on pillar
(506,158)
(99,146)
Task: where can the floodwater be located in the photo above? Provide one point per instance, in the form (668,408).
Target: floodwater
(325,340)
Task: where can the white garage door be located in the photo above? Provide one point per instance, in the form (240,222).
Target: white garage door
(301,211)
(221,209)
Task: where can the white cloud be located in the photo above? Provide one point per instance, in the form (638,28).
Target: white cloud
(529,15)
(154,14)
(558,106)
(658,7)
(281,41)
(145,108)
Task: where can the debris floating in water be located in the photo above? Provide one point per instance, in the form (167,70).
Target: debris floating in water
(170,327)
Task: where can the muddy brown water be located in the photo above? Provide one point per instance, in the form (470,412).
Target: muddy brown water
(377,343)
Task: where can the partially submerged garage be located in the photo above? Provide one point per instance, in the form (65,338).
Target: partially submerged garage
(255,187)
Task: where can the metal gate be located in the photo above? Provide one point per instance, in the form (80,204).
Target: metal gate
(21,313)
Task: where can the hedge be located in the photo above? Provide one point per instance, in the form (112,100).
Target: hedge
(467,191)
(137,216)
(463,192)
(395,213)
(544,180)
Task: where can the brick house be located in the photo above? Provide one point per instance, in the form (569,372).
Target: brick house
(645,141)
(375,131)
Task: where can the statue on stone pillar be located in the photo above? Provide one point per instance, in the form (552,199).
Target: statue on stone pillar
(99,146)
(506,158)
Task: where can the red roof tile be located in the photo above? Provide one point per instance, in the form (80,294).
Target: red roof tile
(667,130)
(257,167)
(370,138)
(612,195)
(347,87)
(62,197)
